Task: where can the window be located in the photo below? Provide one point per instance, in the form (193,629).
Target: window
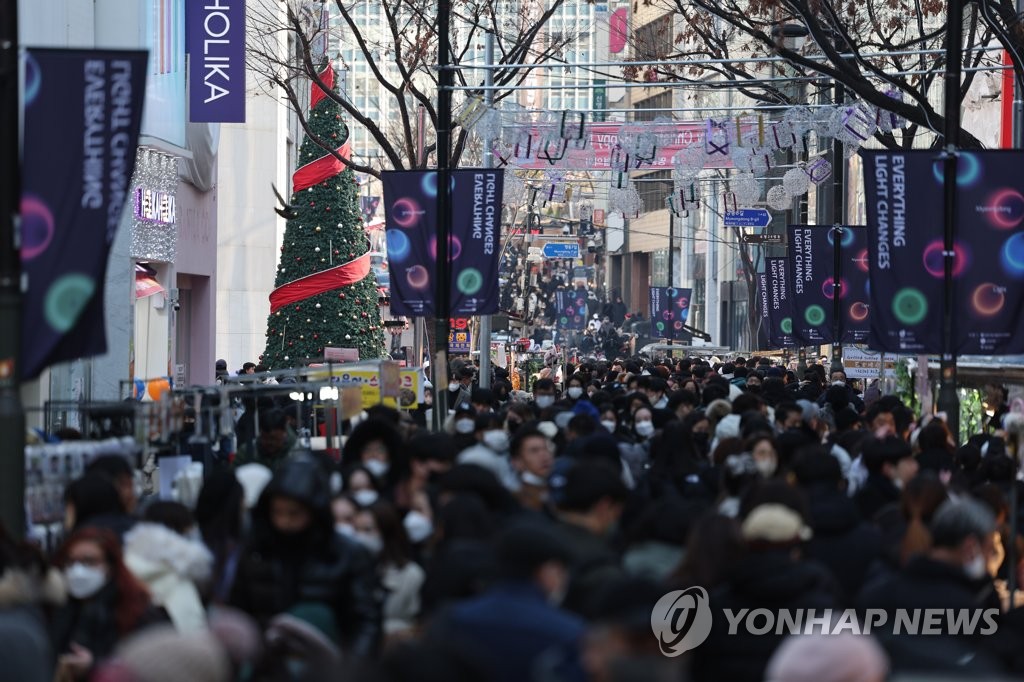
(654,39)
(647,109)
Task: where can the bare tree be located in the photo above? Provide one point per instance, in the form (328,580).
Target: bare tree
(887,53)
(402,56)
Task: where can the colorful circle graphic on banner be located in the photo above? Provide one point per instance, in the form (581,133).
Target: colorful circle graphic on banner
(909,306)
(398,245)
(933,263)
(682,302)
(1005,209)
(968,170)
(814,315)
(405,212)
(565,321)
(37,227)
(417,277)
(66,300)
(660,326)
(859,311)
(862,261)
(156,388)
(33,79)
(786,325)
(988,299)
(470,281)
(429,184)
(1013,255)
(828,290)
(845,241)
(667,314)
(678,325)
(454,247)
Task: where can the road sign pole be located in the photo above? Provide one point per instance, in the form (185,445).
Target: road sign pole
(485,320)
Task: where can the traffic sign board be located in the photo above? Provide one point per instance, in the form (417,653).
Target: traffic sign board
(766,238)
(748,217)
(561,250)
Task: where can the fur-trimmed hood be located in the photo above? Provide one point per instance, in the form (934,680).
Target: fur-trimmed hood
(20,587)
(152,550)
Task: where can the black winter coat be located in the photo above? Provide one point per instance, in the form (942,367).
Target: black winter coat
(929,584)
(878,491)
(842,542)
(764,579)
(277,572)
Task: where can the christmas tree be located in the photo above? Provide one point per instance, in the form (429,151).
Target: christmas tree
(325,293)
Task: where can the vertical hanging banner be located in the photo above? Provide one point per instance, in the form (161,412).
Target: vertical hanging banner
(572,309)
(855,289)
(764,319)
(669,310)
(780,333)
(810,262)
(906,293)
(410,214)
(215,37)
(988,266)
(82,113)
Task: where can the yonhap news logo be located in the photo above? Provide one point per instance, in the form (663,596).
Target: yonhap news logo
(681,620)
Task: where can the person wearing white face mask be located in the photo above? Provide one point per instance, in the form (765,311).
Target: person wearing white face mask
(379,529)
(106,602)
(637,453)
(533,460)
(575,390)
(544,395)
(360,486)
(374,445)
(490,450)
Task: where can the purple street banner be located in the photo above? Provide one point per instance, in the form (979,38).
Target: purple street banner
(906,245)
(215,38)
(669,310)
(855,289)
(572,309)
(82,113)
(764,320)
(780,333)
(810,263)
(410,216)
(812,255)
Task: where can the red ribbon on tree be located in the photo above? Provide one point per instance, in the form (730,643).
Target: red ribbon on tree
(320,282)
(317,93)
(313,173)
(328,165)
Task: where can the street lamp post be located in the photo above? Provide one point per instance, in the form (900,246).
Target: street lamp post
(12,413)
(948,401)
(445,81)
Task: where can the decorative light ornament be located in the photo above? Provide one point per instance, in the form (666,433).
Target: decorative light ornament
(778,198)
(796,182)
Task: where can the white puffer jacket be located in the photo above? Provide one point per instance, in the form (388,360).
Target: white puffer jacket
(171,566)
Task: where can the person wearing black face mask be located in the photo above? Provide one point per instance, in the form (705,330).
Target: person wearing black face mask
(697,424)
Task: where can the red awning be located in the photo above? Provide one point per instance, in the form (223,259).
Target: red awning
(146,286)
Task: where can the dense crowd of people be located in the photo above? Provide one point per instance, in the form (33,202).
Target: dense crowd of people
(534,537)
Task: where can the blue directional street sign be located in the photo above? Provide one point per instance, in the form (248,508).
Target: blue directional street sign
(748,217)
(561,250)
